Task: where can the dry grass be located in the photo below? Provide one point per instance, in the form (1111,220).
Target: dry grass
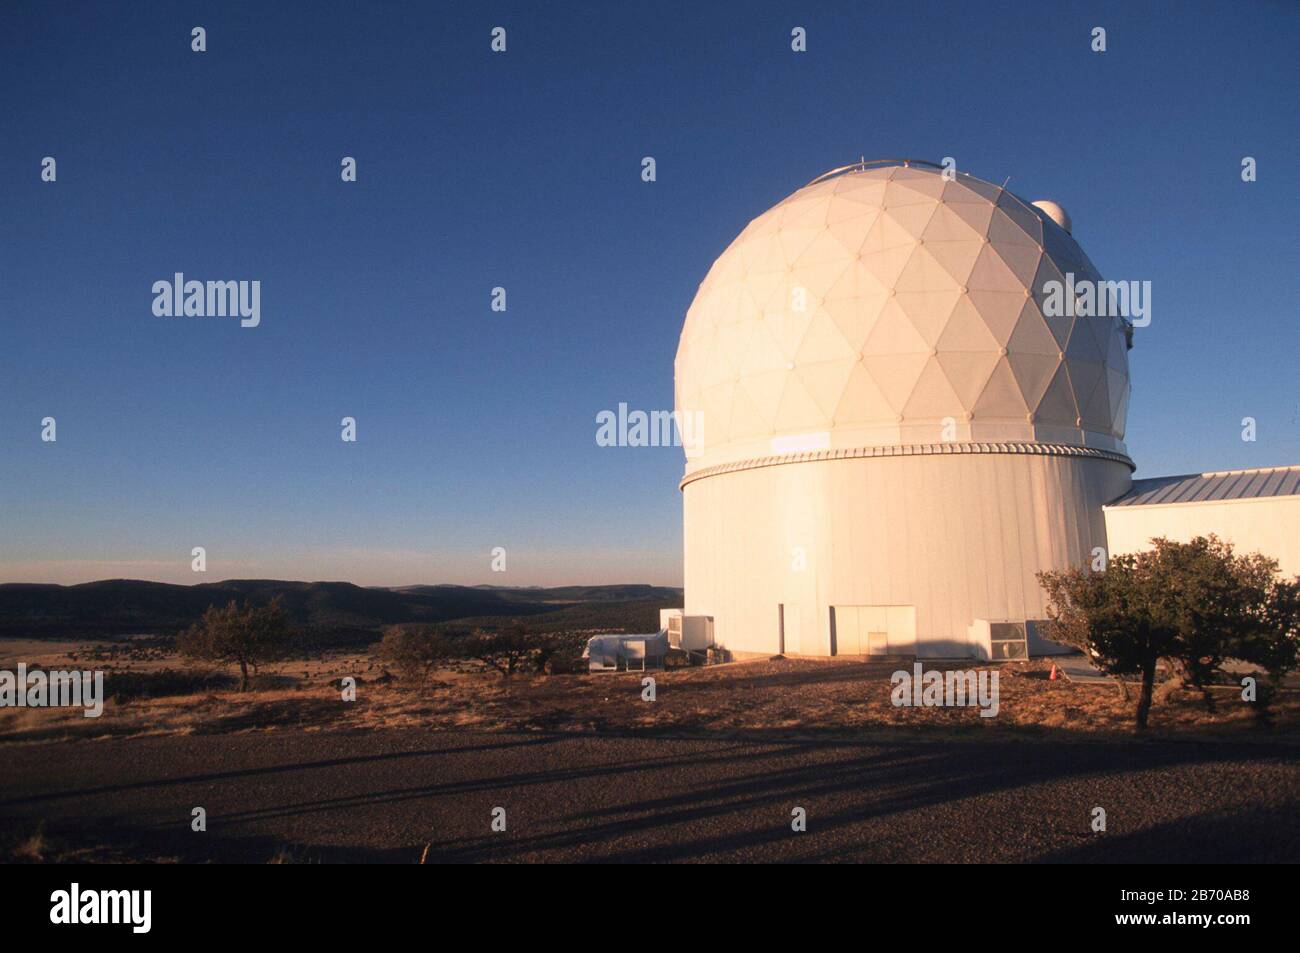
(793,697)
(23,843)
(30,849)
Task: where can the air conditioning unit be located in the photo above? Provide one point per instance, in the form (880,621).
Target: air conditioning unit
(999,640)
(691,633)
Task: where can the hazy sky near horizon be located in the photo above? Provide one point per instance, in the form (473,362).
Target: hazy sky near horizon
(476,429)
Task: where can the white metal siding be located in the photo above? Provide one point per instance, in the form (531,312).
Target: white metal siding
(959,537)
(1266,524)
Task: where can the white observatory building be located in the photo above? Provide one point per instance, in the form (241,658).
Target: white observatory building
(894,437)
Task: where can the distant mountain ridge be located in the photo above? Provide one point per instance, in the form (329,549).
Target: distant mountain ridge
(611,593)
(127,606)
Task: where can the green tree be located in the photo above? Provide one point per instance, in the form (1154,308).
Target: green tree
(1271,640)
(1108,615)
(415,651)
(1192,605)
(506,650)
(244,636)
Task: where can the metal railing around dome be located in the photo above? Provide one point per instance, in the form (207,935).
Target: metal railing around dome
(862,165)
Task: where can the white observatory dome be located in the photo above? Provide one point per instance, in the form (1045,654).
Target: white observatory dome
(1055,212)
(882,305)
(888,438)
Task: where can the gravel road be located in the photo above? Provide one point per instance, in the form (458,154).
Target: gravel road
(384,795)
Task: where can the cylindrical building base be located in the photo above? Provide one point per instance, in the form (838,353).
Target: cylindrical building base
(903,552)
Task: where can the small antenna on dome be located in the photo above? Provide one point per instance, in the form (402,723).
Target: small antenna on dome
(1004,183)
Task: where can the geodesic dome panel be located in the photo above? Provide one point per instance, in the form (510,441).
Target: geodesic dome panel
(889,306)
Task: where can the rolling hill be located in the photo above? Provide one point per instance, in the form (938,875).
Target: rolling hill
(115,607)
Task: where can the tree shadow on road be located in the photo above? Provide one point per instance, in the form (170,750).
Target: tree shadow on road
(630,798)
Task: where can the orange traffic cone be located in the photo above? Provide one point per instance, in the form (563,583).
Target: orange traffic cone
(1053,676)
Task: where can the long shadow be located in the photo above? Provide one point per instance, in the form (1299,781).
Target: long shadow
(516,741)
(948,776)
(881,779)
(477,785)
(857,672)
(1261,835)
(469,786)
(114,842)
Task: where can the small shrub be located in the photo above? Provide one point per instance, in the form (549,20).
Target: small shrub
(415,652)
(127,686)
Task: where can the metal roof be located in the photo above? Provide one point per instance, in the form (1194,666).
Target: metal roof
(1212,487)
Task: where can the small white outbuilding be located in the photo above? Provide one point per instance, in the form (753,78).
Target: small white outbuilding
(1255,510)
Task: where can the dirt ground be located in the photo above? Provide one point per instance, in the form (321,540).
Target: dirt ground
(152,692)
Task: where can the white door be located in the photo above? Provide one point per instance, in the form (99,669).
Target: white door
(874,630)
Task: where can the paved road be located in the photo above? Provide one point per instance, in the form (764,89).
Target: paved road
(382,796)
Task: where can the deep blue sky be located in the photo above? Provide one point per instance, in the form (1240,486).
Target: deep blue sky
(476,429)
